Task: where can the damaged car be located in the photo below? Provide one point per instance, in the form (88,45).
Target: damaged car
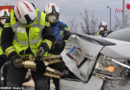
(96,63)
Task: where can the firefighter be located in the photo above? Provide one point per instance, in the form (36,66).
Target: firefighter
(4,14)
(102,29)
(26,33)
(60,29)
(61,32)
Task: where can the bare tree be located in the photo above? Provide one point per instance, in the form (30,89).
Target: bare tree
(73,26)
(118,24)
(88,26)
(85,25)
(93,24)
(127,18)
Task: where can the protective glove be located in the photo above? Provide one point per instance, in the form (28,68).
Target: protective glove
(60,44)
(40,52)
(58,47)
(40,66)
(15,60)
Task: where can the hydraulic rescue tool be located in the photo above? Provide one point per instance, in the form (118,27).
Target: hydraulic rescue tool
(49,60)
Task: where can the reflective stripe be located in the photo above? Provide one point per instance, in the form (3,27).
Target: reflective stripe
(1,51)
(48,42)
(65,41)
(0,34)
(33,25)
(21,40)
(47,24)
(16,37)
(31,42)
(27,57)
(50,54)
(17,25)
(36,40)
(37,25)
(39,16)
(98,33)
(9,50)
(61,34)
(45,54)
(6,25)
(66,28)
(26,42)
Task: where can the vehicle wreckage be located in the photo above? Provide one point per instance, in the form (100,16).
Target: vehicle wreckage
(93,63)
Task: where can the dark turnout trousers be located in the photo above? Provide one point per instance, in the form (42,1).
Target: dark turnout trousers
(16,76)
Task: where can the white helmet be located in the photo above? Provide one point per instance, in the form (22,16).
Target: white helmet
(52,12)
(25,12)
(103,26)
(4,14)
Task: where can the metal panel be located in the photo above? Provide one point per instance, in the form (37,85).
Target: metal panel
(93,84)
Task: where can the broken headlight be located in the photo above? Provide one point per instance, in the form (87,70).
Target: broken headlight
(106,68)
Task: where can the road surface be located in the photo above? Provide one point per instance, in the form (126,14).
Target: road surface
(30,85)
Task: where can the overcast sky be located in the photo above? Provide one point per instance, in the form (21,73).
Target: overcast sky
(71,9)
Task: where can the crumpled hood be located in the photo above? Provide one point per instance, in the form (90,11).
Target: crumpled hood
(120,50)
(91,46)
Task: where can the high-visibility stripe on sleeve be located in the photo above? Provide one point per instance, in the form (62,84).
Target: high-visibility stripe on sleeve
(66,29)
(98,33)
(61,34)
(9,50)
(47,24)
(7,25)
(48,42)
(65,41)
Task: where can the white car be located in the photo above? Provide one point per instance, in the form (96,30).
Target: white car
(98,63)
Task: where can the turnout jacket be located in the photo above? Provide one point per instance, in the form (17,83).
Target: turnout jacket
(19,39)
(1,26)
(62,34)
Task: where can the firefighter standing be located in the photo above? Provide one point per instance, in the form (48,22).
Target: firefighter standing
(60,29)
(61,32)
(102,29)
(26,33)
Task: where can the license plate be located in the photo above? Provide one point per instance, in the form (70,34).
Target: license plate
(77,55)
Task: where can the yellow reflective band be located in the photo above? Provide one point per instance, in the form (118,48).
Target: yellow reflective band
(27,57)
(61,34)
(45,54)
(48,42)
(50,54)
(65,40)
(47,24)
(7,25)
(66,28)
(9,50)
(98,33)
